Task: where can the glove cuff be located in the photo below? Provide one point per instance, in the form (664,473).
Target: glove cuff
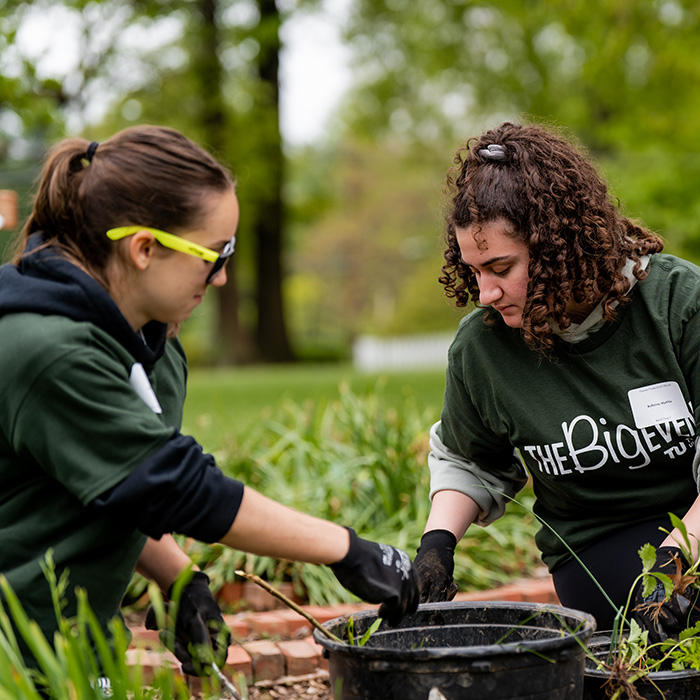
(348,559)
(197,576)
(438,539)
(669,552)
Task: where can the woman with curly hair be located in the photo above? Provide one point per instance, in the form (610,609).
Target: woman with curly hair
(579,369)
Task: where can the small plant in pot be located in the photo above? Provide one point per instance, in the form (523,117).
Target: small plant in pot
(662,660)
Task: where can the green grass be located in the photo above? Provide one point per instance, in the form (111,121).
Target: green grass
(223,405)
(348,447)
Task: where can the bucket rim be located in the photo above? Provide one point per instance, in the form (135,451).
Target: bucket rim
(584,621)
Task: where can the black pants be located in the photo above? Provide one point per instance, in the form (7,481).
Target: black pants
(615,563)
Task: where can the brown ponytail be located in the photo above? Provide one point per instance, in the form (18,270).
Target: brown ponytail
(148,175)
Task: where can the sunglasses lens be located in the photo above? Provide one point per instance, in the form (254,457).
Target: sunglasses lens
(216,268)
(222,259)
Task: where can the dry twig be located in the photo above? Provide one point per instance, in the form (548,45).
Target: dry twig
(289,603)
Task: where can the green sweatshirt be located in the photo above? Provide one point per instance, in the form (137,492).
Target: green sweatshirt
(72,426)
(605,426)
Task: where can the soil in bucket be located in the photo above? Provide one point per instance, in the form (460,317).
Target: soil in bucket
(460,651)
(658,685)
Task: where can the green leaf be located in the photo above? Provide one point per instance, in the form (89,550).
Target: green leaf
(650,583)
(366,636)
(679,525)
(647,553)
(351,630)
(690,632)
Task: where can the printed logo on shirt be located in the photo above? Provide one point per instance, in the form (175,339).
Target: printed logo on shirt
(139,381)
(589,443)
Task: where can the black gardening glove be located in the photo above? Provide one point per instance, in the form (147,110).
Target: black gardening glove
(435,565)
(667,618)
(379,573)
(201,635)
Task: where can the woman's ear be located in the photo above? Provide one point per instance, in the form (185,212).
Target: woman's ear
(141,249)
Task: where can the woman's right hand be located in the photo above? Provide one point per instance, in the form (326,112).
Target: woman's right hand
(379,573)
(666,616)
(434,563)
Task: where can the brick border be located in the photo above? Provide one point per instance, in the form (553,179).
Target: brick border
(256,657)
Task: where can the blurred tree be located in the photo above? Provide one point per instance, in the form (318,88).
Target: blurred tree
(622,76)
(618,73)
(207,67)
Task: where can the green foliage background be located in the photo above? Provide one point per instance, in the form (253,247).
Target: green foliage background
(363,205)
(347,447)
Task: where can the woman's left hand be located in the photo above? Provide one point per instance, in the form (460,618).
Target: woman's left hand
(200,636)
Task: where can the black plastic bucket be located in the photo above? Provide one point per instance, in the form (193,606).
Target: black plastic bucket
(460,651)
(658,685)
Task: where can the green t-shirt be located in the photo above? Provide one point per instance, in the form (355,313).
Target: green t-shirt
(71,427)
(605,446)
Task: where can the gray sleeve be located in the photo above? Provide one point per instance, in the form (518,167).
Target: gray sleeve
(696,464)
(450,471)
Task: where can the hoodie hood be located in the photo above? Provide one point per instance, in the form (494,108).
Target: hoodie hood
(47,283)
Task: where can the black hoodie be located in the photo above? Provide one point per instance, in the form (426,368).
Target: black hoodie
(46,283)
(178,488)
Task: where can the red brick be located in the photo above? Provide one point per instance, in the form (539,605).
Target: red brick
(294,622)
(320,613)
(318,650)
(539,591)
(268,662)
(330,612)
(230,593)
(271,623)
(239,625)
(239,661)
(149,661)
(300,658)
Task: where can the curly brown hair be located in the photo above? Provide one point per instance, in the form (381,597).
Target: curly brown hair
(559,206)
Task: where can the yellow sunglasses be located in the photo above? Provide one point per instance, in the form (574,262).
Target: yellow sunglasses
(180,244)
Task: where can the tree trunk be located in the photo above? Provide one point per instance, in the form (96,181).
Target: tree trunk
(271,332)
(233,340)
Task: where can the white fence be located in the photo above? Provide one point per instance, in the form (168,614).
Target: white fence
(371,353)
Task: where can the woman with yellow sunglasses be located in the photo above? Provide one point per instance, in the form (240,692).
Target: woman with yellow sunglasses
(123,241)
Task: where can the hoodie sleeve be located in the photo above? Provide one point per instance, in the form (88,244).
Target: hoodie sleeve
(177,489)
(76,417)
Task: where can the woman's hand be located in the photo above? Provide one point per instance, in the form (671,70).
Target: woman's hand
(662,617)
(379,573)
(200,635)
(434,563)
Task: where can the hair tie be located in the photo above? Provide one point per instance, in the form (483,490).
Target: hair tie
(91,151)
(493,152)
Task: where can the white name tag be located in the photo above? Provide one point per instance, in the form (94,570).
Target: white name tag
(657,403)
(139,380)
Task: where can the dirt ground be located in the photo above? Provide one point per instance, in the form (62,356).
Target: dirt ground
(311,688)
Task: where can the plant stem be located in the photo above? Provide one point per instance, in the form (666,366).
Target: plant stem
(289,603)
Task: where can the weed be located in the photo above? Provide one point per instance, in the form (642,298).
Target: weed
(350,632)
(79,655)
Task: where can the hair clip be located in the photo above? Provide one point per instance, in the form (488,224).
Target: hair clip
(91,151)
(493,152)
